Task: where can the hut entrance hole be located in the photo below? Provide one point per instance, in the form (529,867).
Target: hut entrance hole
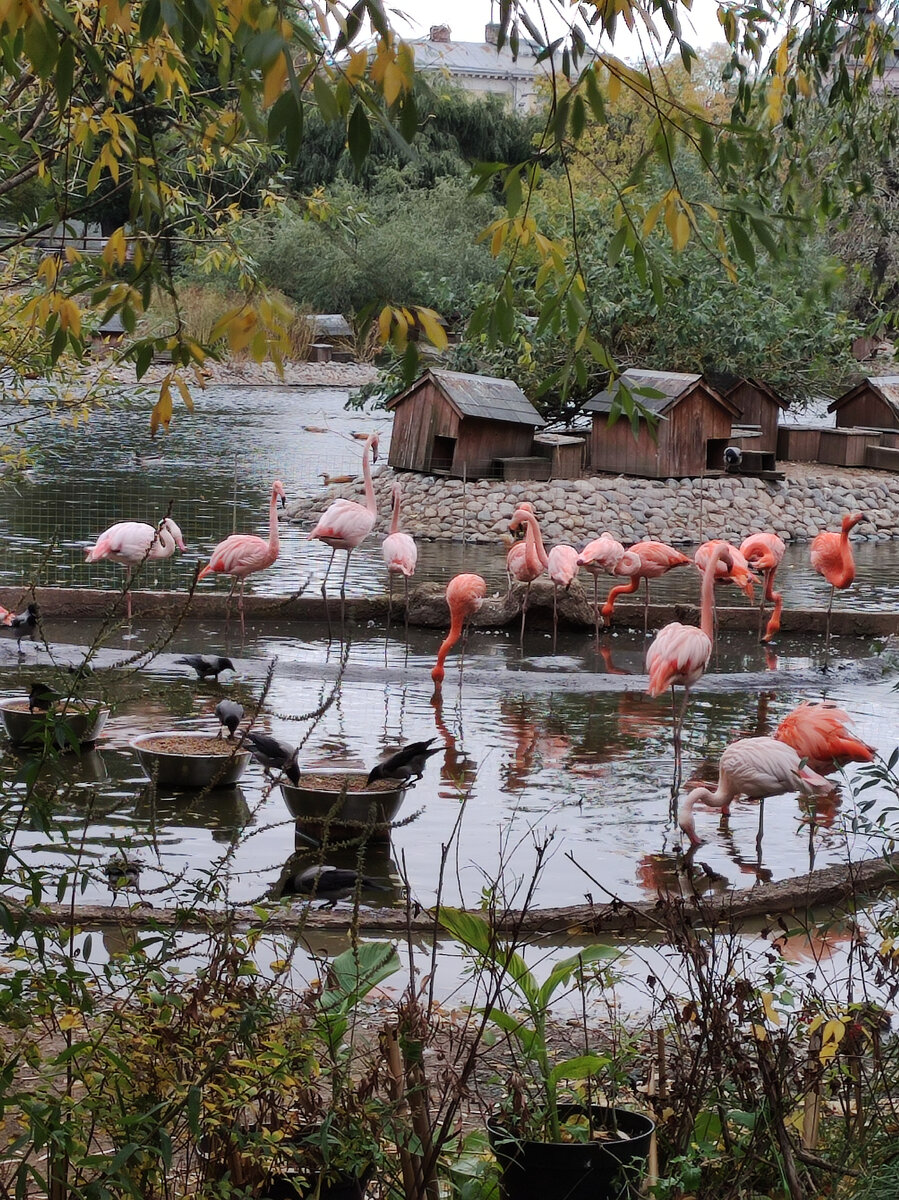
(442,454)
(714,453)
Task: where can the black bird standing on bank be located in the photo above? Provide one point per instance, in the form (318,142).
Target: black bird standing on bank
(230,715)
(407,764)
(25,624)
(207,665)
(330,884)
(273,755)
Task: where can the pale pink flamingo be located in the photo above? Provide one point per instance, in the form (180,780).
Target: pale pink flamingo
(764,552)
(400,554)
(753,767)
(131,543)
(464,595)
(679,654)
(831,555)
(345,524)
(528,566)
(818,733)
(516,556)
(562,567)
(242,554)
(656,559)
(603,556)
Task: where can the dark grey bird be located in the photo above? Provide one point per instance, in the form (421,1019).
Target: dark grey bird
(207,665)
(42,697)
(123,874)
(24,624)
(330,884)
(733,456)
(273,755)
(230,715)
(407,764)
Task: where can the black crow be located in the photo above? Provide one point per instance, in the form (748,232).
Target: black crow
(272,754)
(230,715)
(42,697)
(330,884)
(123,874)
(406,764)
(207,664)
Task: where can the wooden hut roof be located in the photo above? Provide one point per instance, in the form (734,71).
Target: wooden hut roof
(479,396)
(671,386)
(886,387)
(330,325)
(764,388)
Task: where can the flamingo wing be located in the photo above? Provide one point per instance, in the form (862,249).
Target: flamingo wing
(819,733)
(400,554)
(344,525)
(562,565)
(240,555)
(679,654)
(126,542)
(764,766)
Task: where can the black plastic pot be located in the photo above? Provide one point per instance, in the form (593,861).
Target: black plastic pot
(298,1187)
(610,1169)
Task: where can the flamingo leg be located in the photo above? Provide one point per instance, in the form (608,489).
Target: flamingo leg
(406,607)
(555,614)
(827,634)
(128,592)
(596,607)
(646,608)
(243,629)
(762,602)
(678,717)
(761,832)
(389,597)
(524,612)
(325,591)
(346,570)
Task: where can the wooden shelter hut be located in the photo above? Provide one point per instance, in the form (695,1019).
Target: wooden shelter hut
(450,423)
(871,404)
(759,405)
(693,430)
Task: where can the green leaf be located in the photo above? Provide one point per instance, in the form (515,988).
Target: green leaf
(468,928)
(525,1035)
(65,72)
(324,98)
(353,974)
(616,246)
(742,241)
(286,116)
(563,971)
(581,1067)
(358,136)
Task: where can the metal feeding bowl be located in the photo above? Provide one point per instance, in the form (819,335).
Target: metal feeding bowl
(78,720)
(176,759)
(324,805)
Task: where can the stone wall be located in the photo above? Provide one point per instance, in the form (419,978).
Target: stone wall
(812,497)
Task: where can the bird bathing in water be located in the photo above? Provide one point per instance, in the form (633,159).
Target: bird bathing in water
(820,735)
(131,543)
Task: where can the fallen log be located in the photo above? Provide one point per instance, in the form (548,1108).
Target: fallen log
(843,887)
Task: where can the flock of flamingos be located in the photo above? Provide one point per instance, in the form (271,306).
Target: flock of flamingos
(810,743)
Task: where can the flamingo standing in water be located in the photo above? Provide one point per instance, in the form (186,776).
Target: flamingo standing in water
(131,543)
(764,552)
(532,563)
(831,556)
(754,767)
(400,554)
(604,556)
(734,569)
(242,554)
(819,734)
(562,567)
(345,524)
(679,655)
(464,595)
(655,560)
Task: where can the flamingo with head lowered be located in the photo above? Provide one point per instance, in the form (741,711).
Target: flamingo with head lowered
(764,552)
(831,556)
(818,733)
(464,595)
(656,559)
(131,543)
(605,555)
(242,554)
(400,554)
(345,524)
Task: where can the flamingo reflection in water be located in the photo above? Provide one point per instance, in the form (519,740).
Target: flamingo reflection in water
(458,772)
(538,741)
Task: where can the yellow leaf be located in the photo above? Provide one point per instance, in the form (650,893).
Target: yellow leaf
(681,234)
(71,1019)
(162,410)
(357,66)
(218,1011)
(434,331)
(394,82)
(385,320)
(649,221)
(770,1011)
(496,242)
(760,1032)
(614,86)
(185,393)
(275,78)
(240,330)
(834,1032)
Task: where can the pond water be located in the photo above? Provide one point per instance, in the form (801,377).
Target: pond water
(538,745)
(215,469)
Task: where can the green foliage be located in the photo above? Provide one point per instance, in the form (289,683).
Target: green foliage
(351,249)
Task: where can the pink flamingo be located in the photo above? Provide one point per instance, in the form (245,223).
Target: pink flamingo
(604,556)
(764,552)
(754,767)
(734,569)
(656,559)
(242,554)
(532,563)
(679,655)
(562,567)
(464,595)
(818,733)
(345,524)
(516,556)
(831,555)
(130,543)
(400,554)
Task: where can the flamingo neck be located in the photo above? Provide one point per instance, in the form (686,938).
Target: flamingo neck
(370,502)
(274,543)
(707,594)
(457,620)
(533,543)
(395,520)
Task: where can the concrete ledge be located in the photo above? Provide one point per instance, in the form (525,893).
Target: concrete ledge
(427,609)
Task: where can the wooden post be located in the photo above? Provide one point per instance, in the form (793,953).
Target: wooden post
(464,499)
(409,1164)
(811,1107)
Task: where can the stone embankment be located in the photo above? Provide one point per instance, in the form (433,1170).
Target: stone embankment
(811,498)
